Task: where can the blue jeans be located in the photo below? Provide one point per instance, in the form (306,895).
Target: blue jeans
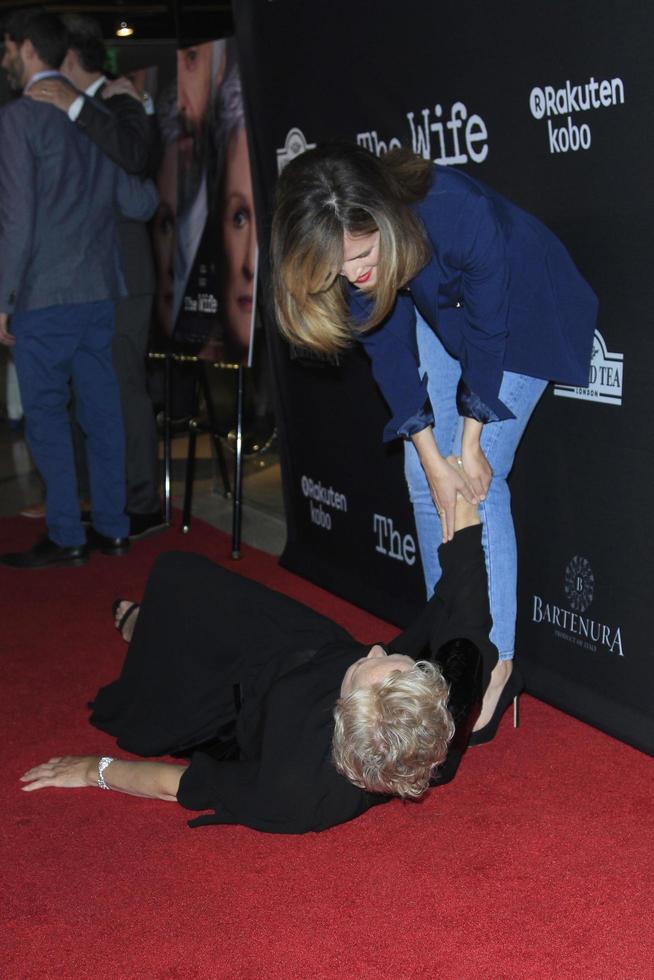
(54,347)
(499,442)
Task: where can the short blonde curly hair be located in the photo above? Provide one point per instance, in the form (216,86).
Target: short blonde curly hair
(389,737)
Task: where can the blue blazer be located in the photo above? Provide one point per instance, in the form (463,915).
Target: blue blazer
(501,292)
(59,196)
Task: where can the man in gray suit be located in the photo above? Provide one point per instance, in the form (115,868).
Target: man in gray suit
(59,278)
(114,117)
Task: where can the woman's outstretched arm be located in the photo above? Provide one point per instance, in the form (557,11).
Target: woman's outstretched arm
(153,780)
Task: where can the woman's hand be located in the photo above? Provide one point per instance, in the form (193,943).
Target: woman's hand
(477,470)
(445,481)
(475,465)
(68,771)
(153,780)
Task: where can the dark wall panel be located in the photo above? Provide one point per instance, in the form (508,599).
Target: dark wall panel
(551,104)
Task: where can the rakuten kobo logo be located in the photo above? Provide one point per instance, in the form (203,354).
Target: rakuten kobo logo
(319,495)
(558,106)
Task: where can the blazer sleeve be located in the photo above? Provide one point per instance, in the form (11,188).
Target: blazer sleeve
(135,198)
(17,204)
(478,249)
(121,128)
(459,608)
(393,353)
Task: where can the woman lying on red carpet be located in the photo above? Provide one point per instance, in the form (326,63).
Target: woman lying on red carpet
(290,724)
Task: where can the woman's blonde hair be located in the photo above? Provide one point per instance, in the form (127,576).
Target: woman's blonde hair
(389,737)
(321,194)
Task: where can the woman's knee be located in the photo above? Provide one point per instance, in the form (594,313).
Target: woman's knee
(414,474)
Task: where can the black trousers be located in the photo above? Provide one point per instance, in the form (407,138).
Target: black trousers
(130,347)
(202,630)
(141,442)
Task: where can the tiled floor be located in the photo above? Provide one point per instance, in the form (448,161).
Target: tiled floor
(263,524)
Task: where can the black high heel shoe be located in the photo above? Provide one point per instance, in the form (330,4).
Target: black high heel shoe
(461,663)
(512,689)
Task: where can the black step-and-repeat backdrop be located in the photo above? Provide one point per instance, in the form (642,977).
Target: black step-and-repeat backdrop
(552,105)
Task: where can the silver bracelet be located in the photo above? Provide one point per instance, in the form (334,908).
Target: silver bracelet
(102,765)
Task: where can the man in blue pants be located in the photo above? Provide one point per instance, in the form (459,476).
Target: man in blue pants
(59,278)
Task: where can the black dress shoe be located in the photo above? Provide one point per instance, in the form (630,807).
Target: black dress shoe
(142,525)
(47,554)
(105,544)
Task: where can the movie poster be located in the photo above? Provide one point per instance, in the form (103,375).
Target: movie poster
(205,230)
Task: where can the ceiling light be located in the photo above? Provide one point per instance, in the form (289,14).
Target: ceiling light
(124,29)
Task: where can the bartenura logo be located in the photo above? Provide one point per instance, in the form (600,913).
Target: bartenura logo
(570,624)
(579,584)
(604,380)
(319,495)
(294,144)
(559,105)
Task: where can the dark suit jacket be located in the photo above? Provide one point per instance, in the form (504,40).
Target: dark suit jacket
(501,292)
(122,129)
(58,199)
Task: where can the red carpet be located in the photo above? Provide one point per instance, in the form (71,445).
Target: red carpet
(535,862)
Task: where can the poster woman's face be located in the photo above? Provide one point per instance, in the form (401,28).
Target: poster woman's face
(239,241)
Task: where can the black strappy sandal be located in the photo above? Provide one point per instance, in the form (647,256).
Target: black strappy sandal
(122,622)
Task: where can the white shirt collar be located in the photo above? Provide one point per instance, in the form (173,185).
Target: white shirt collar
(94,86)
(38,75)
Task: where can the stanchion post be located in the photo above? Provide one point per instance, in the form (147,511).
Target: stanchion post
(167,437)
(238,467)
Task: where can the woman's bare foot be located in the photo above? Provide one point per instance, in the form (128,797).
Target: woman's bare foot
(498,680)
(127,612)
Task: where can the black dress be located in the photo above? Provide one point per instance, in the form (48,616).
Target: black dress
(204,635)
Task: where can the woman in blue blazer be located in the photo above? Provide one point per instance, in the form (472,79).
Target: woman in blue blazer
(466,306)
